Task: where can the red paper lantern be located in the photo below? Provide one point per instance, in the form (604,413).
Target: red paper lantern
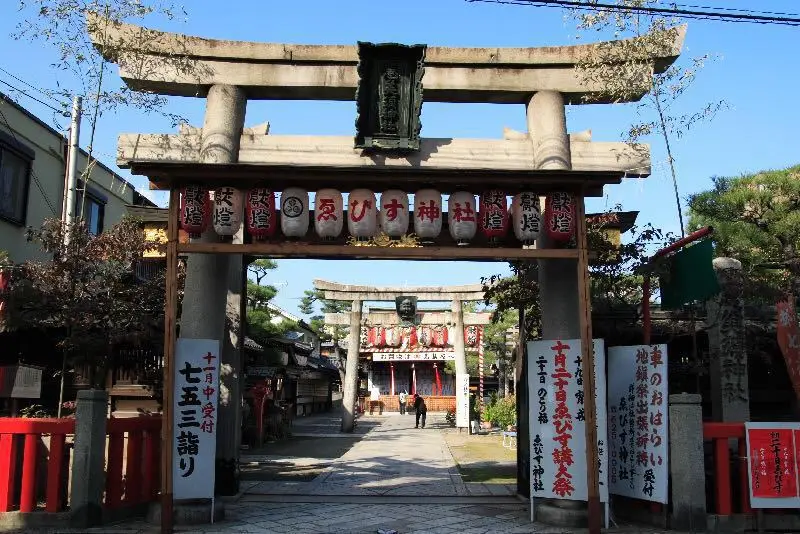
(262,219)
(195,210)
(493,214)
(559,216)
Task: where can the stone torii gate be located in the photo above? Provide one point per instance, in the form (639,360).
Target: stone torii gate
(224,153)
(456,295)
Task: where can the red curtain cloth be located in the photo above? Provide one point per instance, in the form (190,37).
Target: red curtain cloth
(438,386)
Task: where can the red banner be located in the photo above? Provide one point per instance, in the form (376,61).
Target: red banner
(772,462)
(789,341)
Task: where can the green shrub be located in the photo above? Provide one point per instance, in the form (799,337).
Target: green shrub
(501,411)
(450,416)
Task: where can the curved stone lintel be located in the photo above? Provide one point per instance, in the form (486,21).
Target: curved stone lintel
(328,72)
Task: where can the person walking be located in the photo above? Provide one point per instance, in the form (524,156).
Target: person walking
(403,399)
(421,409)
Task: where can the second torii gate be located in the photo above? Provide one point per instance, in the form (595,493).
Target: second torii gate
(456,295)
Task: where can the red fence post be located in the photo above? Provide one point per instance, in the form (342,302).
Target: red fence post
(744,476)
(133,468)
(151,456)
(28,496)
(55,464)
(114,468)
(8,471)
(723,469)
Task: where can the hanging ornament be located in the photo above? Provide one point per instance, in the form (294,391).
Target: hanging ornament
(471,336)
(227,214)
(195,210)
(394,213)
(428,213)
(260,211)
(328,216)
(362,214)
(494,215)
(559,215)
(425,335)
(294,212)
(526,217)
(393,337)
(462,216)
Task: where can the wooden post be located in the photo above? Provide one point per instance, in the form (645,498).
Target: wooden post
(587,350)
(170,326)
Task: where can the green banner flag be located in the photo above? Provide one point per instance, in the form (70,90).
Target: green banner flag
(690,276)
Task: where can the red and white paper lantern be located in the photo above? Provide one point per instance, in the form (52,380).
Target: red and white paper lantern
(394,213)
(425,336)
(294,212)
(328,215)
(493,214)
(559,216)
(227,214)
(428,213)
(362,214)
(526,217)
(195,210)
(262,221)
(462,216)
(393,336)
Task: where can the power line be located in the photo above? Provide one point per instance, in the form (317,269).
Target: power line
(48,94)
(681,12)
(22,91)
(33,174)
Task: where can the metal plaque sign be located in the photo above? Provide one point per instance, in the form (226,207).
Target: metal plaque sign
(389,96)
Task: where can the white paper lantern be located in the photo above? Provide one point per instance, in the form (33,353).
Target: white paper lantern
(362,214)
(526,217)
(428,213)
(394,213)
(328,215)
(462,216)
(294,212)
(227,213)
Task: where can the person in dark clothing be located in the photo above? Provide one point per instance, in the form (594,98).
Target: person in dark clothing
(421,409)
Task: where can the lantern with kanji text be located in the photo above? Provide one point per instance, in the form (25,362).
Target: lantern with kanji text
(261,219)
(428,213)
(294,212)
(526,217)
(493,220)
(195,210)
(328,215)
(394,213)
(559,215)
(362,214)
(227,214)
(462,216)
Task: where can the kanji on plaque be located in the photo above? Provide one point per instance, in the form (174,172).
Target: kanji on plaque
(772,462)
(261,219)
(557,419)
(195,417)
(637,400)
(195,210)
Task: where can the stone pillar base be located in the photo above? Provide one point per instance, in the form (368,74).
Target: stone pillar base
(227,477)
(188,513)
(555,513)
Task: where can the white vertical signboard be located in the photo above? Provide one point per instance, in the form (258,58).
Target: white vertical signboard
(557,419)
(638,401)
(462,400)
(195,418)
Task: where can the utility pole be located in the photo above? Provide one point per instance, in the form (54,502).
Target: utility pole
(71,179)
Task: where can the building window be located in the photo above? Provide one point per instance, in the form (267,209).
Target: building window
(15,172)
(94,208)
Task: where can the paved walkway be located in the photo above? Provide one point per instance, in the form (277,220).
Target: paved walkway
(391,478)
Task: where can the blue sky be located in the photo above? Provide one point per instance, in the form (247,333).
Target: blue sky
(757,73)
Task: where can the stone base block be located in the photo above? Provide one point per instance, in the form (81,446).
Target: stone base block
(189,513)
(570,514)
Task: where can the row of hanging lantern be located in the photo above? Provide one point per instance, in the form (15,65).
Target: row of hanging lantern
(222,209)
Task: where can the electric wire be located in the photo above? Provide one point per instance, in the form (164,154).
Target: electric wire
(44,92)
(714,14)
(61,112)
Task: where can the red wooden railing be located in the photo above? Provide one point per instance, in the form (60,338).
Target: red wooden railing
(132,476)
(720,434)
(132,471)
(16,432)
